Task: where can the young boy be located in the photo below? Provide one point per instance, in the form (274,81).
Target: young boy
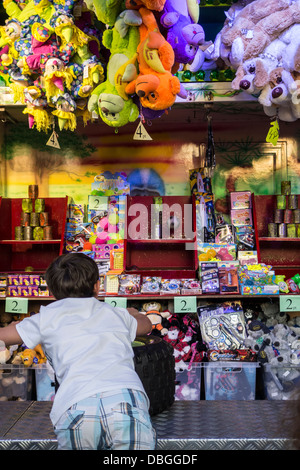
(100,402)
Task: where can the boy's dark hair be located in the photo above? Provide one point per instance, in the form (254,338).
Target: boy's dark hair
(72,275)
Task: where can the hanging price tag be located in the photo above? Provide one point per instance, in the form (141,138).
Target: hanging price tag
(185,304)
(99,203)
(289,303)
(53,141)
(141,133)
(120,302)
(273,133)
(16,305)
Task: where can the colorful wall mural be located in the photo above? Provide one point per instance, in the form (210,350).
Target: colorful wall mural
(160,166)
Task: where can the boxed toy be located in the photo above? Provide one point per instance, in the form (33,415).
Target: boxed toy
(228,280)
(200,182)
(151,285)
(205,218)
(220,251)
(190,287)
(240,200)
(247,257)
(209,278)
(224,234)
(241,217)
(170,286)
(129,284)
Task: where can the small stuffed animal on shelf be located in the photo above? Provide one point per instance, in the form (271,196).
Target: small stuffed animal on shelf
(154,313)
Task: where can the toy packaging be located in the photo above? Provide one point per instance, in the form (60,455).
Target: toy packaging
(129,284)
(224,234)
(222,327)
(150,285)
(205,218)
(209,278)
(244,237)
(240,200)
(200,182)
(228,280)
(216,251)
(247,257)
(170,286)
(244,355)
(241,217)
(190,287)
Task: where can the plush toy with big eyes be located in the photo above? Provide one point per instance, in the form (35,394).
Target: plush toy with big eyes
(184,35)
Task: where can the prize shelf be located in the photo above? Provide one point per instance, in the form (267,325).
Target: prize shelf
(16,255)
(166,257)
(283,254)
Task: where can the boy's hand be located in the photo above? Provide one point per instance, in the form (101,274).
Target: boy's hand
(144,325)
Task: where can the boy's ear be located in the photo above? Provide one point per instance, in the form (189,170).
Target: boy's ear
(97,288)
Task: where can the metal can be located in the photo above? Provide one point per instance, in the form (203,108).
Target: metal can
(298,230)
(26,205)
(296,216)
(25,219)
(288,216)
(48,232)
(19,233)
(44,219)
(293,201)
(278,216)
(34,219)
(285,187)
(27,233)
(281,201)
(33,191)
(291,230)
(38,233)
(39,205)
(282,230)
(272,230)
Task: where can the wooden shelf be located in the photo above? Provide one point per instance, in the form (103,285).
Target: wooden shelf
(28,242)
(278,239)
(161,240)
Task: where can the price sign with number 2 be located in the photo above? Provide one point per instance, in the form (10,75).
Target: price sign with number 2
(289,303)
(185,304)
(16,305)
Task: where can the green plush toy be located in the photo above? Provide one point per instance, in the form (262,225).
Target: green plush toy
(106,11)
(109,99)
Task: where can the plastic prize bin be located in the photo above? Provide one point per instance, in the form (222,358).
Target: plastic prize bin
(281,381)
(188,382)
(15,382)
(230,380)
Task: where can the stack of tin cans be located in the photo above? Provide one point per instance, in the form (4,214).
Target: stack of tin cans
(286,214)
(34,220)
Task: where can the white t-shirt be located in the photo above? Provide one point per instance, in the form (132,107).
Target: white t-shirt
(88,344)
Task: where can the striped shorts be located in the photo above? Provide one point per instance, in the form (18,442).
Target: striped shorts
(107,421)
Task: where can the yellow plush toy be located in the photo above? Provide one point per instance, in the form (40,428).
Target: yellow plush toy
(155,85)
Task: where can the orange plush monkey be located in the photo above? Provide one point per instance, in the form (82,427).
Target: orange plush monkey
(155,85)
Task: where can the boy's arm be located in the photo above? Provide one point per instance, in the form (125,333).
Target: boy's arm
(10,335)
(144,325)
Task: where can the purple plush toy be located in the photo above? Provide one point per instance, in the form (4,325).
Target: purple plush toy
(183,34)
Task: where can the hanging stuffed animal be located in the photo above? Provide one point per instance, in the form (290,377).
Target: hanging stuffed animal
(184,35)
(155,85)
(110,99)
(156,5)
